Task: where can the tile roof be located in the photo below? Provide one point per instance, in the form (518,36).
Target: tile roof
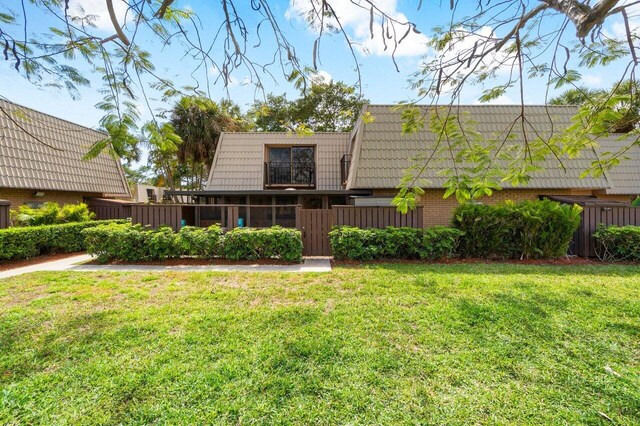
(25,162)
(239,160)
(623,178)
(381,152)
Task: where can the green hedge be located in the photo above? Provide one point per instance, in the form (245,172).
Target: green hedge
(618,243)
(350,243)
(131,242)
(529,229)
(23,243)
(201,242)
(136,243)
(253,244)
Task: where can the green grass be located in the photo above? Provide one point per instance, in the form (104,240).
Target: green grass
(388,344)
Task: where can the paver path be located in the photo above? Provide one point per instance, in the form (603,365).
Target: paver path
(74,263)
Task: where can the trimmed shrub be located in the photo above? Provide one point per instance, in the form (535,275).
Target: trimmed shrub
(350,243)
(353,243)
(201,242)
(439,242)
(132,243)
(51,213)
(136,243)
(269,243)
(618,243)
(525,230)
(23,243)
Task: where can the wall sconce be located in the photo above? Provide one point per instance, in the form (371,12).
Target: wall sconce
(39,194)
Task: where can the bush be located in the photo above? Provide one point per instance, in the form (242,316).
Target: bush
(636,202)
(618,243)
(132,243)
(51,213)
(392,243)
(201,242)
(136,243)
(270,243)
(74,213)
(530,229)
(23,243)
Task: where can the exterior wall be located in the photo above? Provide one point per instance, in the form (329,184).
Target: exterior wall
(439,211)
(238,164)
(140,193)
(18,197)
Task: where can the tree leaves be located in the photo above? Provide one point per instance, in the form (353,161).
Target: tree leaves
(324,107)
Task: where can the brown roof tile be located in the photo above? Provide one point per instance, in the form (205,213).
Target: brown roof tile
(25,162)
(381,152)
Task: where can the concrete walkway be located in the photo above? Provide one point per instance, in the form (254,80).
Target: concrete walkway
(54,265)
(75,263)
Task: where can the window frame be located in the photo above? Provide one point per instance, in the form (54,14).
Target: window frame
(267,160)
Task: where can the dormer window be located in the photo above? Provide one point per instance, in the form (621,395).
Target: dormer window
(292,166)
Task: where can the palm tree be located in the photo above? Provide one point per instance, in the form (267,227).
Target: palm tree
(199,122)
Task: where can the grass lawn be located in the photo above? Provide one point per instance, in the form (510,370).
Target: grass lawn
(387,344)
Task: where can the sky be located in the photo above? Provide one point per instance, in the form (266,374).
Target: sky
(381,82)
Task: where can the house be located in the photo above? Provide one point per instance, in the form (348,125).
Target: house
(379,154)
(143,193)
(363,167)
(280,168)
(41,159)
(314,182)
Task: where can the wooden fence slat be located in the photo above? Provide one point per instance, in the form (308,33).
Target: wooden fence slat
(375,217)
(594,215)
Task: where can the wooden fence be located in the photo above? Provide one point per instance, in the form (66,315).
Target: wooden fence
(602,213)
(4,214)
(376,217)
(156,215)
(315,224)
(106,209)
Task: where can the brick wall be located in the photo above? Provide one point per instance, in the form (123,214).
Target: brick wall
(438,211)
(18,197)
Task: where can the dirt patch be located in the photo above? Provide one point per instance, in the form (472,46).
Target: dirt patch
(196,262)
(564,261)
(12,264)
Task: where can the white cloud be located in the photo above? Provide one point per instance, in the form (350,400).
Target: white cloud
(98,10)
(480,42)
(592,80)
(322,77)
(500,100)
(462,46)
(356,22)
(618,29)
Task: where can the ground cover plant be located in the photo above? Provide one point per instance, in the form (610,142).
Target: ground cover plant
(384,344)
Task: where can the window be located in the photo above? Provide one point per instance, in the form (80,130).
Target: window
(293,165)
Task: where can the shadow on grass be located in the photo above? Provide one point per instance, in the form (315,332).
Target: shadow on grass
(411,268)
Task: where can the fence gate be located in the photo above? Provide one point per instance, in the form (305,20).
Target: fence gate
(315,225)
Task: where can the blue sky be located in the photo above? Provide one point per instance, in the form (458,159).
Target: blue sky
(381,82)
